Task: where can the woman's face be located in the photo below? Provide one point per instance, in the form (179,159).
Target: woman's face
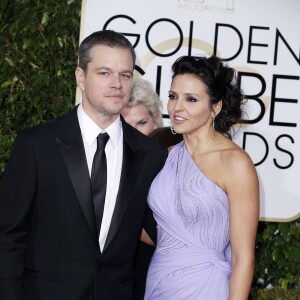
(189,105)
(139,117)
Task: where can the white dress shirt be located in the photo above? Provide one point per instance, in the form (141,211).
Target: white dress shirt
(114,157)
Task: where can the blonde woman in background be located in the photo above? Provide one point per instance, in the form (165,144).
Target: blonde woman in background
(143,110)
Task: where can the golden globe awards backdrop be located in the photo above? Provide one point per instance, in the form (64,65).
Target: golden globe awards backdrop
(260,39)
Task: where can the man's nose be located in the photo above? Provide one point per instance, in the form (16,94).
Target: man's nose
(116,82)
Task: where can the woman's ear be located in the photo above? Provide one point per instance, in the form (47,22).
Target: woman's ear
(157,120)
(217,107)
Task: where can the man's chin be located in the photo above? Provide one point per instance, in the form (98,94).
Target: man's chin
(116,110)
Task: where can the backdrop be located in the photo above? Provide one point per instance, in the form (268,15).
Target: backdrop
(260,39)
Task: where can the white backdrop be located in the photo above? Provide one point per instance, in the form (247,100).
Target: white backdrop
(260,39)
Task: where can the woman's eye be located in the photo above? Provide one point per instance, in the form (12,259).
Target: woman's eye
(142,123)
(171,96)
(190,99)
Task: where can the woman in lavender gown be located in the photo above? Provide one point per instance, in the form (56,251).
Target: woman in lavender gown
(206,198)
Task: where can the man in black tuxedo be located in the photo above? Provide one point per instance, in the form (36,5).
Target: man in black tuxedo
(50,245)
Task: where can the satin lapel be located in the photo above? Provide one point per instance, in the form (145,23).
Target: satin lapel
(130,168)
(72,150)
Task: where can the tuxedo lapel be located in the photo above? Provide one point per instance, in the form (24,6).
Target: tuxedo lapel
(132,159)
(72,150)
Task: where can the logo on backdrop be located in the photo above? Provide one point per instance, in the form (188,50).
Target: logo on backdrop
(211,6)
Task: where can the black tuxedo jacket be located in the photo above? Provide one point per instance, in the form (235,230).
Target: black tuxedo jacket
(49,246)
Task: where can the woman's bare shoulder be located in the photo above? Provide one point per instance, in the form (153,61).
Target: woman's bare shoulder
(238,163)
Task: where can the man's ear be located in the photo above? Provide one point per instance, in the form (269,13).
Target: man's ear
(80,78)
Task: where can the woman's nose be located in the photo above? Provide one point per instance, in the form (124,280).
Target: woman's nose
(178,105)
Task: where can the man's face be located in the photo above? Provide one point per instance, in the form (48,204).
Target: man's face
(106,85)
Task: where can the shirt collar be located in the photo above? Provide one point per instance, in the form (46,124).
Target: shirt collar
(90,130)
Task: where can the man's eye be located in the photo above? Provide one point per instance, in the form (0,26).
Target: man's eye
(126,76)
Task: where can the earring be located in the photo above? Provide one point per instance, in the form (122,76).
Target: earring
(213,124)
(172,128)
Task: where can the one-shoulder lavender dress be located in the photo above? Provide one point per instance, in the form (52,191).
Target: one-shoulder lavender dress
(192,258)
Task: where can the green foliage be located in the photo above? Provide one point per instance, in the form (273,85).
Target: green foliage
(278,255)
(276,294)
(38,55)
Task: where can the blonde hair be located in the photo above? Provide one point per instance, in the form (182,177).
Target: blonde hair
(143,93)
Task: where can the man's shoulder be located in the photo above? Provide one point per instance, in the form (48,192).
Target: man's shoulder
(140,140)
(45,128)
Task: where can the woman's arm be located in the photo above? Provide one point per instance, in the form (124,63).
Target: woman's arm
(145,238)
(243,192)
